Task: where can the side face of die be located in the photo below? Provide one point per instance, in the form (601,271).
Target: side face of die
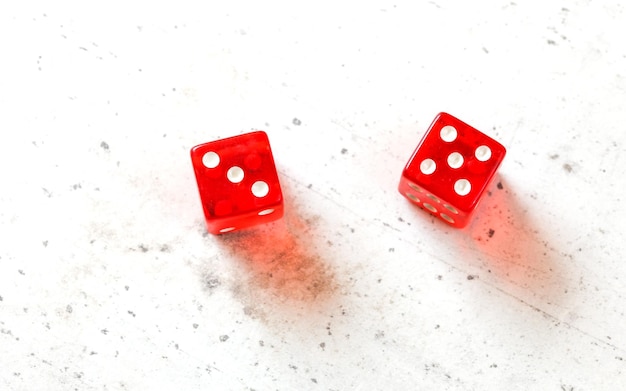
(450,169)
(238,182)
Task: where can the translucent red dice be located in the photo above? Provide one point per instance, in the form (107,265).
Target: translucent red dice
(238,183)
(450,170)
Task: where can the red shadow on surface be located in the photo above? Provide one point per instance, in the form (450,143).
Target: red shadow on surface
(513,245)
(281,261)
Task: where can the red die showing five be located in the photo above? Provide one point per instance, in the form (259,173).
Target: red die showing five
(238,182)
(450,169)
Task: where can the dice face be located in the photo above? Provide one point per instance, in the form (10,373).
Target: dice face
(238,183)
(450,169)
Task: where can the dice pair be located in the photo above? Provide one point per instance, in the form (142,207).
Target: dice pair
(447,175)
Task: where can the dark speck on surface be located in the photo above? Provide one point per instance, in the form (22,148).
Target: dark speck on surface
(471,277)
(224,338)
(500,187)
(296,122)
(568,167)
(344,151)
(491,232)
(195,325)
(211,282)
(104,145)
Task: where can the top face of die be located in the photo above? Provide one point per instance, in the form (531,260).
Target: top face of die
(455,161)
(236,175)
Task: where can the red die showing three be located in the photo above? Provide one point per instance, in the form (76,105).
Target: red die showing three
(238,182)
(450,169)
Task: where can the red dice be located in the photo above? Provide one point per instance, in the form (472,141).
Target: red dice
(450,169)
(238,182)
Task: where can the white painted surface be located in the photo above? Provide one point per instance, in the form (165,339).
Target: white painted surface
(109,282)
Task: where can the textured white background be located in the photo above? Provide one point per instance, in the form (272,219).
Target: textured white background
(108,280)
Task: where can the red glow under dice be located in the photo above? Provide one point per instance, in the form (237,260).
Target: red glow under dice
(450,169)
(238,183)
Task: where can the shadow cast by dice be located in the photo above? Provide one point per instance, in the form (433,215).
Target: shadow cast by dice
(278,263)
(507,242)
